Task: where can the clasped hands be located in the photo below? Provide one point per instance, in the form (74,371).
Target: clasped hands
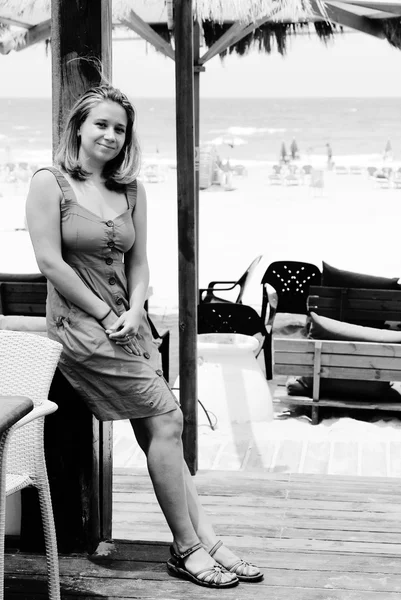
(123,330)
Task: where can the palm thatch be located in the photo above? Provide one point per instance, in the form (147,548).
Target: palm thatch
(215,16)
(392,31)
(245,11)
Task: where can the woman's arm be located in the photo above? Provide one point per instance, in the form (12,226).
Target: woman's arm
(44,223)
(136,261)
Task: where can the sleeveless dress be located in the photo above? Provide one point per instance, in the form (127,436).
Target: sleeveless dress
(114,383)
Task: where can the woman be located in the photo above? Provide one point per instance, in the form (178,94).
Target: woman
(87,222)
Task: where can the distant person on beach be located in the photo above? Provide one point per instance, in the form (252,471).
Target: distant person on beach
(87,221)
(388,151)
(283,154)
(329,156)
(294,149)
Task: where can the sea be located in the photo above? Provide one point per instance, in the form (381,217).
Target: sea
(255,127)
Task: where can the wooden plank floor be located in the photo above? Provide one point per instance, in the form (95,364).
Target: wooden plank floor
(316,537)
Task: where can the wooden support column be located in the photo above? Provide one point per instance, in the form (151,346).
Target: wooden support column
(80,29)
(187,218)
(197,70)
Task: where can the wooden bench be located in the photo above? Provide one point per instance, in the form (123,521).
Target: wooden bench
(337,360)
(355,304)
(27,297)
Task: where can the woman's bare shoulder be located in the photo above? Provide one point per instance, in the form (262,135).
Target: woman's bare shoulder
(141,193)
(44,180)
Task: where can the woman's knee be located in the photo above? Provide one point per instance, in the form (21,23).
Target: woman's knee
(167,426)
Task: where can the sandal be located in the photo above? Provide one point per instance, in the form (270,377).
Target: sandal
(177,568)
(238,567)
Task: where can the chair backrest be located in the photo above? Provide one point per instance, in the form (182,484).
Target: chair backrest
(246,278)
(228,318)
(207,294)
(291,281)
(27,365)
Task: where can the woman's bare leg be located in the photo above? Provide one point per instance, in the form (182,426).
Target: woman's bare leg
(199,519)
(160,438)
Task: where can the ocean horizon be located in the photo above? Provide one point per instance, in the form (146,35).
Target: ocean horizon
(354,127)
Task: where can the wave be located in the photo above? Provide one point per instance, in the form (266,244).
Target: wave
(248,131)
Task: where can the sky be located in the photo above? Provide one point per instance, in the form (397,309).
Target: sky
(355,65)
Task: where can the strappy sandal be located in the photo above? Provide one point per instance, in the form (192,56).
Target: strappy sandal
(177,568)
(238,567)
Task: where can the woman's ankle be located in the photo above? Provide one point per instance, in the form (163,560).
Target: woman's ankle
(181,545)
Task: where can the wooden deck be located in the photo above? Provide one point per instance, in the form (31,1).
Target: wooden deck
(316,537)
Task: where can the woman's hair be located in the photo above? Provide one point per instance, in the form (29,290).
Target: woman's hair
(121,170)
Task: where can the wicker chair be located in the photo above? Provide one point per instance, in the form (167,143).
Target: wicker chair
(27,365)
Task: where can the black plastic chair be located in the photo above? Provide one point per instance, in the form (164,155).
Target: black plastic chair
(224,317)
(207,295)
(290,282)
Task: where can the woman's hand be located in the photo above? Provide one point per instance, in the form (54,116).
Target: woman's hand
(124,330)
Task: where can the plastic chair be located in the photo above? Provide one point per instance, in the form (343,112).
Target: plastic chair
(207,295)
(27,367)
(290,282)
(224,317)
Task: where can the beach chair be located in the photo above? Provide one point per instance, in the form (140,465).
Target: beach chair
(240,170)
(207,295)
(225,317)
(153,174)
(341,170)
(289,282)
(307,169)
(381,179)
(355,170)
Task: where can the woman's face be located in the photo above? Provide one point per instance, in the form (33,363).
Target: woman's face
(102,133)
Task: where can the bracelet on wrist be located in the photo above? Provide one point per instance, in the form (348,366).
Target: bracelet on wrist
(103,318)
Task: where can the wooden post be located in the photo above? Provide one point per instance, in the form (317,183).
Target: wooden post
(197,70)
(187,219)
(81,29)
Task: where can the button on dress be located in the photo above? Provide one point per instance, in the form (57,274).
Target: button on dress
(114,383)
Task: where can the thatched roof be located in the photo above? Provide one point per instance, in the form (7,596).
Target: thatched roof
(278,20)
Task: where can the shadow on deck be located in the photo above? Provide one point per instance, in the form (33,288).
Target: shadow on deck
(316,537)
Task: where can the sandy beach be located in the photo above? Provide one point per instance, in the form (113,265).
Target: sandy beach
(350,223)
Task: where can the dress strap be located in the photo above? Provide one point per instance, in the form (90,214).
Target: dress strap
(65,187)
(132,189)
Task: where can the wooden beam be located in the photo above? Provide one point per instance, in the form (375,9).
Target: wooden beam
(187,219)
(83,30)
(232,37)
(348,19)
(387,7)
(21,41)
(15,22)
(145,31)
(224,42)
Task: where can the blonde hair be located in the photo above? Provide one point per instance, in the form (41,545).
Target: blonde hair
(121,170)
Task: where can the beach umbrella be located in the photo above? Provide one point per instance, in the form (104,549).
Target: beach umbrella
(283,151)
